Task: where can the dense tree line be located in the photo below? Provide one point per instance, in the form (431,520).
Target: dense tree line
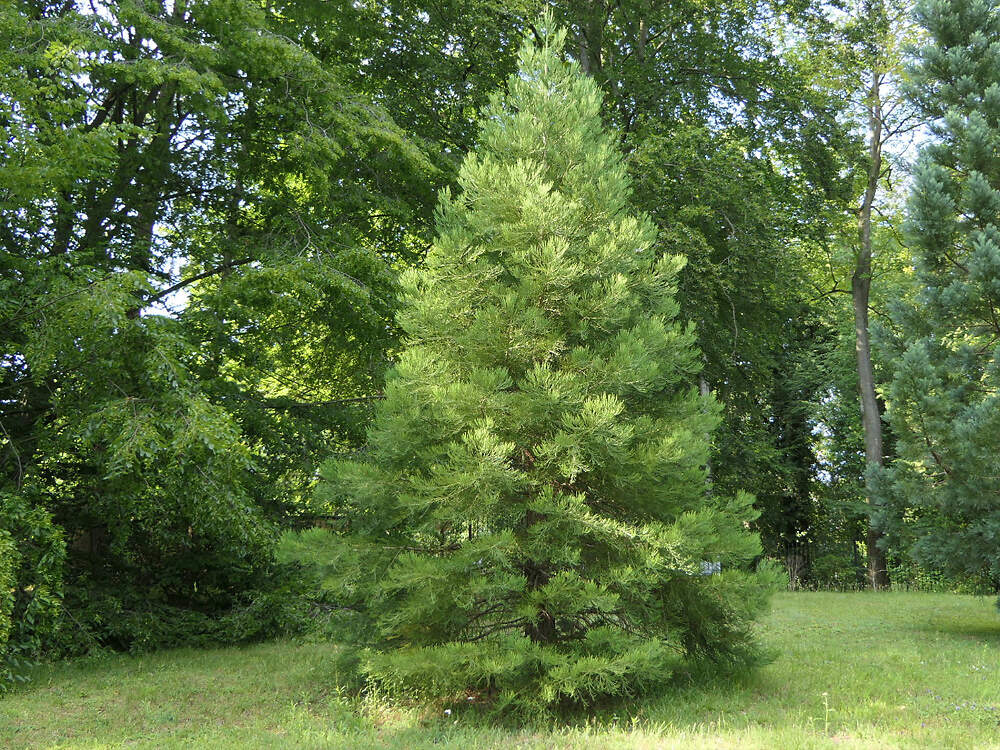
(211,211)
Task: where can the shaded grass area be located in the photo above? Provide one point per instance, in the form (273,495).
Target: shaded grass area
(853,670)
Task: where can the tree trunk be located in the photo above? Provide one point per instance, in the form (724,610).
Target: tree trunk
(541,628)
(871,419)
(705,393)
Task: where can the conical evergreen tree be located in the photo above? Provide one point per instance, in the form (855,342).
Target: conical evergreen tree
(532,521)
(945,397)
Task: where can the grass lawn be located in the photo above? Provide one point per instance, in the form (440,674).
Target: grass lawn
(855,670)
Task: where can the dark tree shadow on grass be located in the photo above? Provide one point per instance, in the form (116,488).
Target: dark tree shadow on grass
(983,632)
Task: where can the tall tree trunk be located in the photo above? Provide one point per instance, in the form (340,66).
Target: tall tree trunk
(861,281)
(705,391)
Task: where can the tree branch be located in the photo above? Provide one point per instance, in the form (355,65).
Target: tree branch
(197,277)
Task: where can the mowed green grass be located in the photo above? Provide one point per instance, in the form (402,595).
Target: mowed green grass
(853,670)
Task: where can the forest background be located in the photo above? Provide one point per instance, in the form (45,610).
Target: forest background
(207,206)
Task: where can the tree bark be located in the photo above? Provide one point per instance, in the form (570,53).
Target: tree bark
(871,418)
(705,391)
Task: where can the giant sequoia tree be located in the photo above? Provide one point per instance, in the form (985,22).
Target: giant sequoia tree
(945,397)
(532,518)
(733,149)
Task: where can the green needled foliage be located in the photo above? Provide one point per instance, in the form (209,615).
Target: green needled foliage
(530,523)
(945,398)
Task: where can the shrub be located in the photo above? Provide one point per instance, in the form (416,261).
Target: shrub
(32,557)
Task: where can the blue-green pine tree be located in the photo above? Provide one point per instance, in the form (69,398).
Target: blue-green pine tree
(531,520)
(944,400)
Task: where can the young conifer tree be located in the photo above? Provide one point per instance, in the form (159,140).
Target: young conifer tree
(532,520)
(944,401)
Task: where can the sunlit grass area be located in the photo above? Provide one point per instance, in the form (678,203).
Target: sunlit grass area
(853,670)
